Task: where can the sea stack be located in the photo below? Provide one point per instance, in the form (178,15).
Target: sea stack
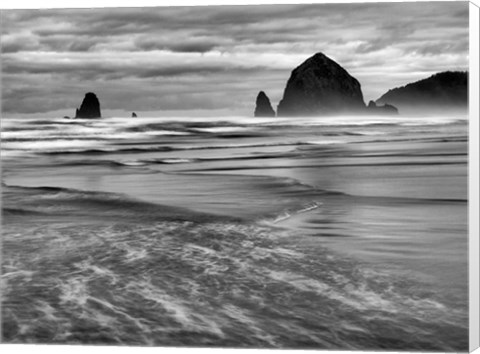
(385,109)
(319,86)
(90,107)
(134,114)
(263,107)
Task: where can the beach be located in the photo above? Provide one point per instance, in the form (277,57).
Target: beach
(326,233)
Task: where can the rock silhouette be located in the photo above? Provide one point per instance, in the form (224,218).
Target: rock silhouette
(90,107)
(320,86)
(263,107)
(437,92)
(134,114)
(385,109)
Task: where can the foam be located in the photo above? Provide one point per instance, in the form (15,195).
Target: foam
(184,315)
(245,318)
(74,291)
(223,129)
(51,145)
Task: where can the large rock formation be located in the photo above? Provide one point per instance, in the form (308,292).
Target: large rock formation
(319,86)
(90,107)
(440,92)
(263,107)
(385,109)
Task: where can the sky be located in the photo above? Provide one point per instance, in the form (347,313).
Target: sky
(213,60)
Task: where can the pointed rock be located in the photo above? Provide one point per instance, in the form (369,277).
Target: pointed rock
(263,107)
(134,114)
(90,107)
(319,86)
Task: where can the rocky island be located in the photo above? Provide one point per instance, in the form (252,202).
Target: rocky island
(320,86)
(263,106)
(385,109)
(90,107)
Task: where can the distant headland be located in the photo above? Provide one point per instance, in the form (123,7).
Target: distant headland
(447,89)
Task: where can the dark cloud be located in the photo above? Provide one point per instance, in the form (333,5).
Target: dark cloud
(12,47)
(99,68)
(82,45)
(187,44)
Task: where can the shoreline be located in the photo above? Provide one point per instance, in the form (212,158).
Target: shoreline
(362,236)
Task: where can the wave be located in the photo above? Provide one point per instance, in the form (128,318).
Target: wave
(6,212)
(324,165)
(441,139)
(223,124)
(362,121)
(223,129)
(112,150)
(74,202)
(166,148)
(314,206)
(100,145)
(173,160)
(304,209)
(108,135)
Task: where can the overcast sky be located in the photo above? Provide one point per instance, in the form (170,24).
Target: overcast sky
(213,60)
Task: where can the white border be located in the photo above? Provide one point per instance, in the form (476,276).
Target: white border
(473,162)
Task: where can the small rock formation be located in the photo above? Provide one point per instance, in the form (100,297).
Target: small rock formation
(385,109)
(319,86)
(90,107)
(68,117)
(134,114)
(263,107)
(445,90)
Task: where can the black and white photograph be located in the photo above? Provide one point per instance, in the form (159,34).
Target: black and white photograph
(267,176)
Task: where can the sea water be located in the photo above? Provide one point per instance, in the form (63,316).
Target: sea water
(328,233)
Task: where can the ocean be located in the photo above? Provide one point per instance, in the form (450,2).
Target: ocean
(324,233)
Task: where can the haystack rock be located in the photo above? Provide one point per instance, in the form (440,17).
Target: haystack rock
(385,109)
(319,86)
(90,107)
(134,114)
(263,107)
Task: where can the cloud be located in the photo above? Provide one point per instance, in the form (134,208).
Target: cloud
(184,43)
(187,58)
